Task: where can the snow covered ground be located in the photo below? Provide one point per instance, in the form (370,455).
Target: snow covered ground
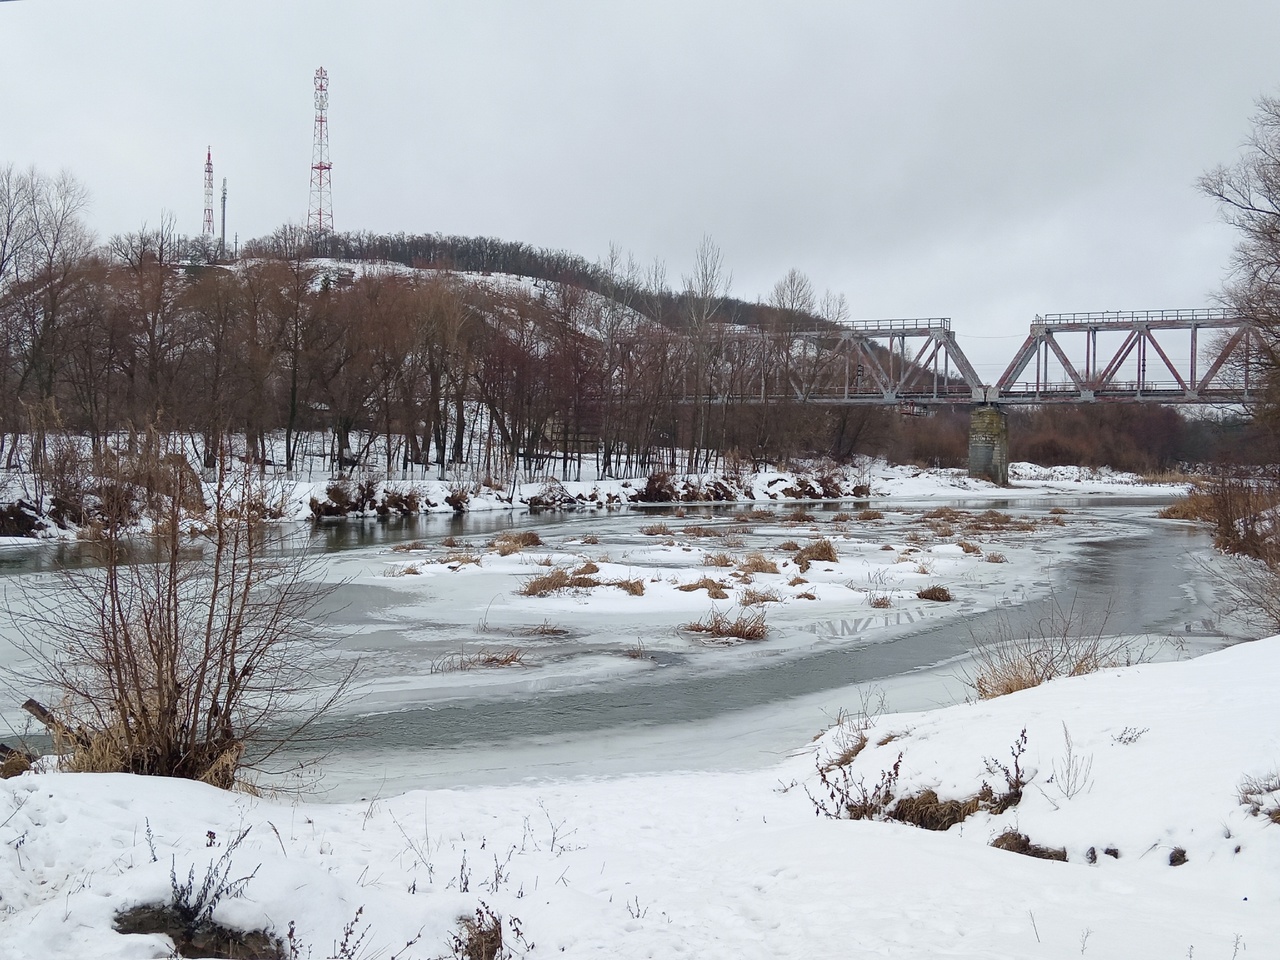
(728,864)
(707,859)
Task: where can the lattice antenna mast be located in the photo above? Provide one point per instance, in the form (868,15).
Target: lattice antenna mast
(208,193)
(320,209)
(222,242)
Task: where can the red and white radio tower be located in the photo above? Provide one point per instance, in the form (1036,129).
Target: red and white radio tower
(320,209)
(208,193)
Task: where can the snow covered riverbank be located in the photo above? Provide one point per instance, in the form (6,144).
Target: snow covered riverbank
(720,864)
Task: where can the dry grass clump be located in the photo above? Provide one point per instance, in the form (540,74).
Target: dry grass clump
(868,515)
(586,569)
(459,559)
(821,551)
(799,516)
(717,560)
(1059,512)
(807,595)
(590,539)
(720,627)
(842,517)
(1064,643)
(1262,796)
(754,514)
(991,521)
(545,629)
(638,652)
(656,530)
(407,546)
(511,541)
(788,545)
(926,811)
(700,531)
(950,514)
(995,556)
(634,587)
(715,589)
(555,580)
(757,562)
(968,547)
(479,660)
(451,542)
(934,592)
(1196,505)
(796,581)
(888,546)
(1016,842)
(403,570)
(752,597)
(880,601)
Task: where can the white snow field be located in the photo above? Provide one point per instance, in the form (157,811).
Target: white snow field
(681,841)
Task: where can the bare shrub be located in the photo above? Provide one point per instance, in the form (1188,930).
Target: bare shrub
(935,592)
(179,665)
(722,628)
(715,589)
(1066,642)
(821,551)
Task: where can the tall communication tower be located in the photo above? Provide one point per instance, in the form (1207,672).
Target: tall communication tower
(222,242)
(208,193)
(320,209)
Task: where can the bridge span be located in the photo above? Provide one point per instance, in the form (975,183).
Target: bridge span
(1200,356)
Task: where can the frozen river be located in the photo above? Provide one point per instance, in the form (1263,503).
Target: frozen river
(610,684)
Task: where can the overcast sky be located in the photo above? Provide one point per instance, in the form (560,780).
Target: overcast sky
(984,161)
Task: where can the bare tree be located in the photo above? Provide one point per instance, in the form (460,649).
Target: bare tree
(174,660)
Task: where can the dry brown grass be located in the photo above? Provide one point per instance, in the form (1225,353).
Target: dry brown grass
(715,589)
(699,531)
(842,517)
(545,629)
(1059,512)
(799,516)
(403,570)
(656,530)
(935,592)
(1016,842)
(633,587)
(512,541)
(721,628)
(926,811)
(796,581)
(788,545)
(479,660)
(820,551)
(752,597)
(451,542)
(888,546)
(590,539)
(950,514)
(880,601)
(638,652)
(1196,505)
(807,595)
(717,560)
(1262,795)
(555,580)
(968,547)
(869,515)
(995,556)
(755,514)
(459,559)
(1064,643)
(408,546)
(586,569)
(756,562)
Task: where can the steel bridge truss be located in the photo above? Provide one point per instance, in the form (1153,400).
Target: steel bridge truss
(1223,367)
(878,362)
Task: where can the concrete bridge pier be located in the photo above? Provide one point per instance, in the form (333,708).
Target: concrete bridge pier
(989,444)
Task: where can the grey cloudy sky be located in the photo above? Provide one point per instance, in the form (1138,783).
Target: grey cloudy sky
(980,160)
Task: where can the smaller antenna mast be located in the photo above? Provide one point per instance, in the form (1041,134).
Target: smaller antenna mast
(222,243)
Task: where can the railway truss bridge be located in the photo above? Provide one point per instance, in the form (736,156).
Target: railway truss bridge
(1205,356)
